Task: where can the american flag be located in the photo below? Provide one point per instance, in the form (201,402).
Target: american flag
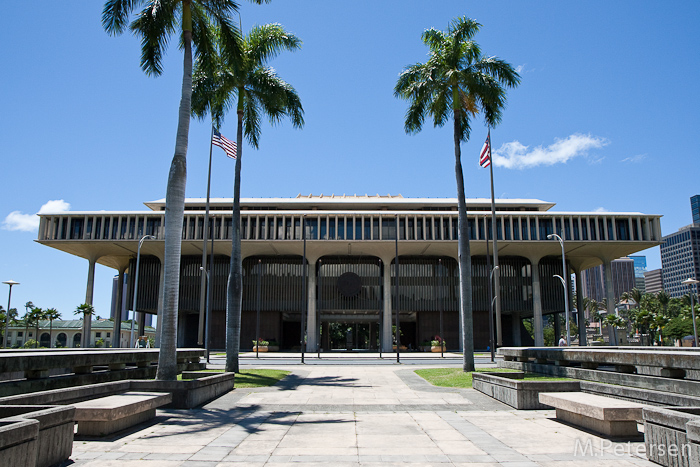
(224,143)
(485,156)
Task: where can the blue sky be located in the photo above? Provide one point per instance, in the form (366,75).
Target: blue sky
(604,119)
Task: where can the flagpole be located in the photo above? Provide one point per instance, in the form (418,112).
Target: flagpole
(496,269)
(205,232)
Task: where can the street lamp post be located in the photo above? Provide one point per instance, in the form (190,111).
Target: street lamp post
(689,283)
(136,288)
(7,313)
(565,283)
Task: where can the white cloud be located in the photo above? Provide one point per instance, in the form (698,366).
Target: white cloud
(601,209)
(635,159)
(16,220)
(515,155)
(519,69)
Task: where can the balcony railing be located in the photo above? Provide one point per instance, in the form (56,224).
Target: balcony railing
(374,226)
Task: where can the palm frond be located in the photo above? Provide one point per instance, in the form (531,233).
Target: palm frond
(266,42)
(115,15)
(154,25)
(251,120)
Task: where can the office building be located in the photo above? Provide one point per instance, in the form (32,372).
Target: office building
(623,279)
(680,259)
(640,267)
(653,281)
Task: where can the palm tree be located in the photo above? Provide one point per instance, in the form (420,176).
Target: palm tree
(458,82)
(27,319)
(187,20)
(51,314)
(86,310)
(37,314)
(663,299)
(4,319)
(256,90)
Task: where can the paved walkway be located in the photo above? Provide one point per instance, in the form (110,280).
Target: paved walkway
(356,416)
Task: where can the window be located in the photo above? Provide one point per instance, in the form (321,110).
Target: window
(109,334)
(99,334)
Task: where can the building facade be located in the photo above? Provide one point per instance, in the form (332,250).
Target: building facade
(640,267)
(68,333)
(653,281)
(695,208)
(680,259)
(349,246)
(623,279)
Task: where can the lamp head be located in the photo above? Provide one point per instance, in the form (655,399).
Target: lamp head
(10,282)
(689,281)
(550,236)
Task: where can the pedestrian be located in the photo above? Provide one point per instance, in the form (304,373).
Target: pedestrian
(562,341)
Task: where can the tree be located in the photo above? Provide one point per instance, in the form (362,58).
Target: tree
(86,310)
(189,21)
(27,319)
(51,314)
(255,89)
(4,320)
(37,314)
(458,82)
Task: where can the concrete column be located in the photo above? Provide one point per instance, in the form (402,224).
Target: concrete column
(116,331)
(142,324)
(537,303)
(515,316)
(581,312)
(557,328)
(87,328)
(610,295)
(311,325)
(387,338)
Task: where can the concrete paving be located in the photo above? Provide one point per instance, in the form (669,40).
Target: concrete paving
(369,415)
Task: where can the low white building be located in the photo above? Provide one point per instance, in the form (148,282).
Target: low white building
(68,333)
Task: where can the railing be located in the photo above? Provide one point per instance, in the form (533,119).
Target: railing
(44,363)
(366,226)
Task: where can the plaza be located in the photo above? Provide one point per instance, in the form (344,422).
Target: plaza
(356,415)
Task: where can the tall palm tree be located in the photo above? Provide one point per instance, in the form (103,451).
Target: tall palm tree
(256,91)
(4,319)
(27,319)
(86,310)
(187,20)
(37,314)
(458,82)
(51,314)
(663,299)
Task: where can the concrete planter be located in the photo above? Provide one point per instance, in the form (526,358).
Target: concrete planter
(191,393)
(510,389)
(266,348)
(18,441)
(55,436)
(666,435)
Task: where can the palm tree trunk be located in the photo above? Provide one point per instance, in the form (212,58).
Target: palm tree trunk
(464,253)
(51,334)
(234,292)
(174,215)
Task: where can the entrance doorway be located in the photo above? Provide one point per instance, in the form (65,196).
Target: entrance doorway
(350,336)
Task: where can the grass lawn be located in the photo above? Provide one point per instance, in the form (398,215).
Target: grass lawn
(456,378)
(253,378)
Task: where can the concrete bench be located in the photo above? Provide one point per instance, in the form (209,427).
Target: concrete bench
(106,415)
(611,417)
